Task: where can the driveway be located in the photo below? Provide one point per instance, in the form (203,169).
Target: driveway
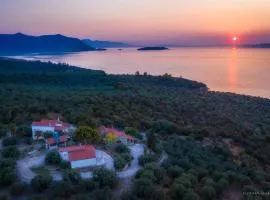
(163,157)
(103,159)
(106,161)
(25,173)
(136,151)
(23,167)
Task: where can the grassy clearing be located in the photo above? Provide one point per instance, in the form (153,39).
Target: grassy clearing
(41,170)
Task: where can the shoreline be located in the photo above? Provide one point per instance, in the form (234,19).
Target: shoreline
(33,59)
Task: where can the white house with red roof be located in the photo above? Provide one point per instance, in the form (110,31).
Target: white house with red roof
(122,137)
(51,126)
(79,156)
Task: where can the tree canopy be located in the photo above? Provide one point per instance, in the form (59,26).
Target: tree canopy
(86,134)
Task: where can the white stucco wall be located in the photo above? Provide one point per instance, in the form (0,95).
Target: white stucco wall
(64,156)
(41,129)
(83,163)
(123,140)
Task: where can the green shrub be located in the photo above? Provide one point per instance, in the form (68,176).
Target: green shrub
(159,172)
(142,188)
(222,184)
(174,171)
(7,176)
(121,148)
(17,189)
(164,127)
(4,197)
(183,181)
(127,157)
(38,197)
(62,189)
(185,163)
(119,162)
(231,175)
(53,158)
(208,192)
(28,141)
(146,174)
(157,193)
(89,185)
(102,194)
(128,195)
(72,176)
(166,182)
(7,162)
(131,131)
(258,176)
(24,131)
(10,141)
(7,172)
(146,158)
(41,182)
(190,195)
(249,188)
(2,131)
(245,180)
(151,141)
(105,177)
(64,164)
(178,190)
(266,186)
(208,181)
(11,152)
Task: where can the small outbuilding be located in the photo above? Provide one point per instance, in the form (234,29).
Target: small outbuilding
(53,143)
(121,136)
(83,156)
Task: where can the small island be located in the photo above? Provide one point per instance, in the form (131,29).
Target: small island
(152,48)
(100,49)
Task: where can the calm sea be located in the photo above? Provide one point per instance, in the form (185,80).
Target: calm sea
(244,71)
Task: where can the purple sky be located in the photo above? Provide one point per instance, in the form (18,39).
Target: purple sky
(172,22)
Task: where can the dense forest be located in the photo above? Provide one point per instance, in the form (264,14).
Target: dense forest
(181,114)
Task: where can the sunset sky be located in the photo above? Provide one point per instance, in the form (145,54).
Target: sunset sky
(141,21)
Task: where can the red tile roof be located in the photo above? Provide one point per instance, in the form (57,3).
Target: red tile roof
(79,152)
(62,138)
(58,125)
(130,137)
(116,132)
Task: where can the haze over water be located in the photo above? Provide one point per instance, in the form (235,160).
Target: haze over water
(244,71)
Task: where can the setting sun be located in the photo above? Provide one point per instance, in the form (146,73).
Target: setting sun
(235,38)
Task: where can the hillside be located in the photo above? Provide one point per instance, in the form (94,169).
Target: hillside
(21,44)
(105,44)
(144,99)
(215,142)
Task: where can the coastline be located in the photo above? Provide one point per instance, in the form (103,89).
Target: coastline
(47,58)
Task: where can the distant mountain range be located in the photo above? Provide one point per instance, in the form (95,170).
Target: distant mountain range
(20,43)
(105,44)
(14,44)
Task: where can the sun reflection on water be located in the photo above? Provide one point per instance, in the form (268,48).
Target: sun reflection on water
(232,78)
